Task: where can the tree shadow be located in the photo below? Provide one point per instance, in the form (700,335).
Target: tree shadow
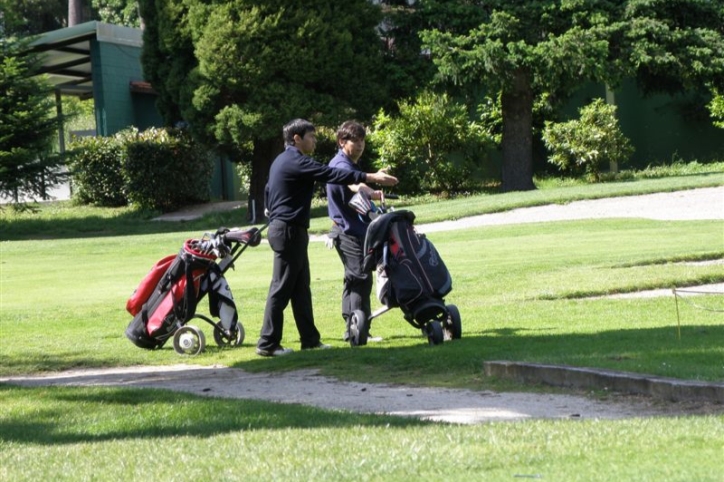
(123,224)
(70,415)
(697,355)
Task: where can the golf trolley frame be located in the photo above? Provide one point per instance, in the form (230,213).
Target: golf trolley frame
(436,320)
(446,325)
(165,302)
(189,339)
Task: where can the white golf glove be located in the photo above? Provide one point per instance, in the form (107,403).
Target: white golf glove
(328,242)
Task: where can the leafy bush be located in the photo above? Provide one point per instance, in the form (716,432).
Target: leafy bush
(165,169)
(326,147)
(584,145)
(156,169)
(716,107)
(431,146)
(96,169)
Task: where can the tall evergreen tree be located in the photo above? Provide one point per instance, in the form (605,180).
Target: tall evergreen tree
(675,46)
(75,12)
(27,127)
(22,18)
(238,71)
(522,49)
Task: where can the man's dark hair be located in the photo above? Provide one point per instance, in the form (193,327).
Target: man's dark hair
(296,127)
(351,131)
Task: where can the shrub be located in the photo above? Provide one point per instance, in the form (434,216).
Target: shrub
(326,147)
(716,107)
(96,169)
(431,146)
(584,145)
(157,169)
(165,169)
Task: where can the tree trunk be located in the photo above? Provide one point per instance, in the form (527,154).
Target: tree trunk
(75,12)
(264,153)
(517,105)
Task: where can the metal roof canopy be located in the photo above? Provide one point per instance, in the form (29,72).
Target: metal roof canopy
(66,54)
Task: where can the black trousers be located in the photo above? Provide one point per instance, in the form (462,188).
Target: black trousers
(290,282)
(357,284)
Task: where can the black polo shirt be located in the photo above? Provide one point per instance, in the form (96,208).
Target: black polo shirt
(290,187)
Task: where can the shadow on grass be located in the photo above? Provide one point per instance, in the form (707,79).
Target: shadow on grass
(66,221)
(698,354)
(123,224)
(52,415)
(69,415)
(654,351)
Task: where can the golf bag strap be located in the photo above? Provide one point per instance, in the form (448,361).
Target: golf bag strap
(214,295)
(189,298)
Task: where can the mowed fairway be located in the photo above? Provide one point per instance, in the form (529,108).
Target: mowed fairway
(523,292)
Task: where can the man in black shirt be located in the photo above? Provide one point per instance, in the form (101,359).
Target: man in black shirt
(288,199)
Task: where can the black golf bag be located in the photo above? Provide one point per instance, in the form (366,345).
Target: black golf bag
(410,272)
(167,298)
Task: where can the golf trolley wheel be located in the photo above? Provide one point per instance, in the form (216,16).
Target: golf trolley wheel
(452,326)
(235,338)
(435,335)
(189,340)
(359,328)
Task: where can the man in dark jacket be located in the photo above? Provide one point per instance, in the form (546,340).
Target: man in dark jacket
(288,200)
(348,229)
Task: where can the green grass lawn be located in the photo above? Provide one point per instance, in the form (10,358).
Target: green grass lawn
(103,434)
(521,291)
(524,293)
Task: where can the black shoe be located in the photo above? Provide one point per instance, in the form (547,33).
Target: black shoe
(278,351)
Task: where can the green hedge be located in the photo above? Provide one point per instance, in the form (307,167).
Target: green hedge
(431,146)
(166,169)
(96,169)
(157,169)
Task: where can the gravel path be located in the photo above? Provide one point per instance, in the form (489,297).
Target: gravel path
(706,203)
(308,388)
(449,405)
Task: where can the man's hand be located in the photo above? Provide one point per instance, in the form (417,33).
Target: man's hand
(382,178)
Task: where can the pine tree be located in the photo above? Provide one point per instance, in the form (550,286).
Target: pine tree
(27,127)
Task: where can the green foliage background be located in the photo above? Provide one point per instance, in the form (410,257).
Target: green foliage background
(166,169)
(431,146)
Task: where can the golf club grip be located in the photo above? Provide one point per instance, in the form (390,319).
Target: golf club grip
(246,236)
(391,196)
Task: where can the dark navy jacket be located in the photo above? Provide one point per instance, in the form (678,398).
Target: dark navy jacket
(338,197)
(290,187)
